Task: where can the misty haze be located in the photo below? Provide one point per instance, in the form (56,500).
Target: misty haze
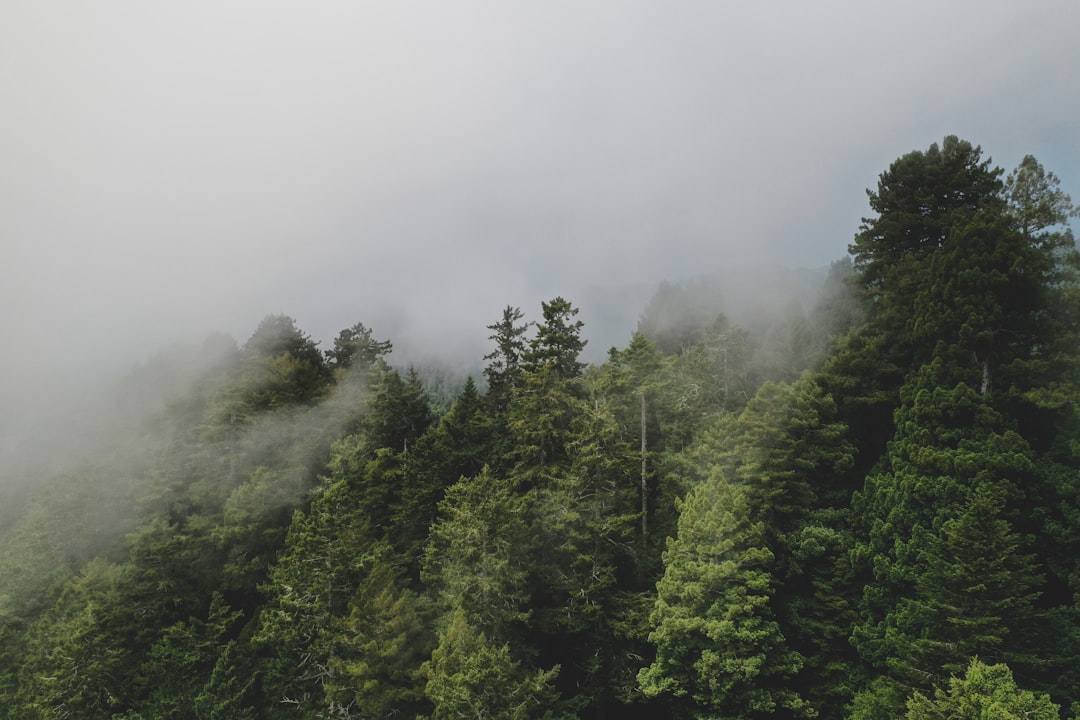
(539,360)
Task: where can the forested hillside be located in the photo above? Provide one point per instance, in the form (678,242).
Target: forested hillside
(869,509)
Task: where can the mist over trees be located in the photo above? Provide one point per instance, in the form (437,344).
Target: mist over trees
(865,505)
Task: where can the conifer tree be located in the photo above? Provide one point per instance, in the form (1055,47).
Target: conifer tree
(985,691)
(558,341)
(504,362)
(385,641)
(356,349)
(458,446)
(472,677)
(787,454)
(975,595)
(719,649)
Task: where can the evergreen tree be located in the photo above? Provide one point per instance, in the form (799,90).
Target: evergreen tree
(281,366)
(329,551)
(477,558)
(398,412)
(458,446)
(588,555)
(708,380)
(952,463)
(558,341)
(356,349)
(472,677)
(719,649)
(385,641)
(182,661)
(985,691)
(504,362)
(630,383)
(975,595)
(80,662)
(230,692)
(788,455)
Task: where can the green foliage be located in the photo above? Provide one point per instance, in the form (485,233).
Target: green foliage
(504,362)
(229,693)
(386,638)
(1037,202)
(355,349)
(397,413)
(784,453)
(281,366)
(918,201)
(183,659)
(327,555)
(469,677)
(709,379)
(719,649)
(476,561)
(80,659)
(458,446)
(558,341)
(986,692)
(300,537)
(975,594)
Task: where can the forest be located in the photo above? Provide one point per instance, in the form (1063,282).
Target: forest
(867,510)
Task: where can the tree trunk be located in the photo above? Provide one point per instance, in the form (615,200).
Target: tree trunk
(644,481)
(987,381)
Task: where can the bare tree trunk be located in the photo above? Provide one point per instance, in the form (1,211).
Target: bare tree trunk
(987,381)
(644,481)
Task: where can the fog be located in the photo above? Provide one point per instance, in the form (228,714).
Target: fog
(172,169)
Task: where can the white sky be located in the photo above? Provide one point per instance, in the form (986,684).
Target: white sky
(172,168)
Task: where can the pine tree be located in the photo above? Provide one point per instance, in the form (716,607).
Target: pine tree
(398,412)
(975,595)
(355,349)
(985,691)
(719,649)
(385,641)
(458,446)
(558,341)
(471,677)
(788,455)
(504,367)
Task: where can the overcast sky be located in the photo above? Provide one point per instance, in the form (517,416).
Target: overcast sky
(172,168)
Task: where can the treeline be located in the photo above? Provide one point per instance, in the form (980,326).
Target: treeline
(872,510)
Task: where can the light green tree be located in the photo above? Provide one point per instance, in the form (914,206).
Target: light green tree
(986,692)
(719,648)
(473,678)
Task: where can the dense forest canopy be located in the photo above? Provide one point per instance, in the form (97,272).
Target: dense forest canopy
(868,507)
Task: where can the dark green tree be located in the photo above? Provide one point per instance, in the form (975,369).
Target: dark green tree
(477,561)
(398,411)
(975,595)
(281,366)
(788,456)
(951,466)
(355,348)
(329,552)
(558,341)
(503,370)
(920,200)
(182,661)
(459,445)
(80,662)
(630,381)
